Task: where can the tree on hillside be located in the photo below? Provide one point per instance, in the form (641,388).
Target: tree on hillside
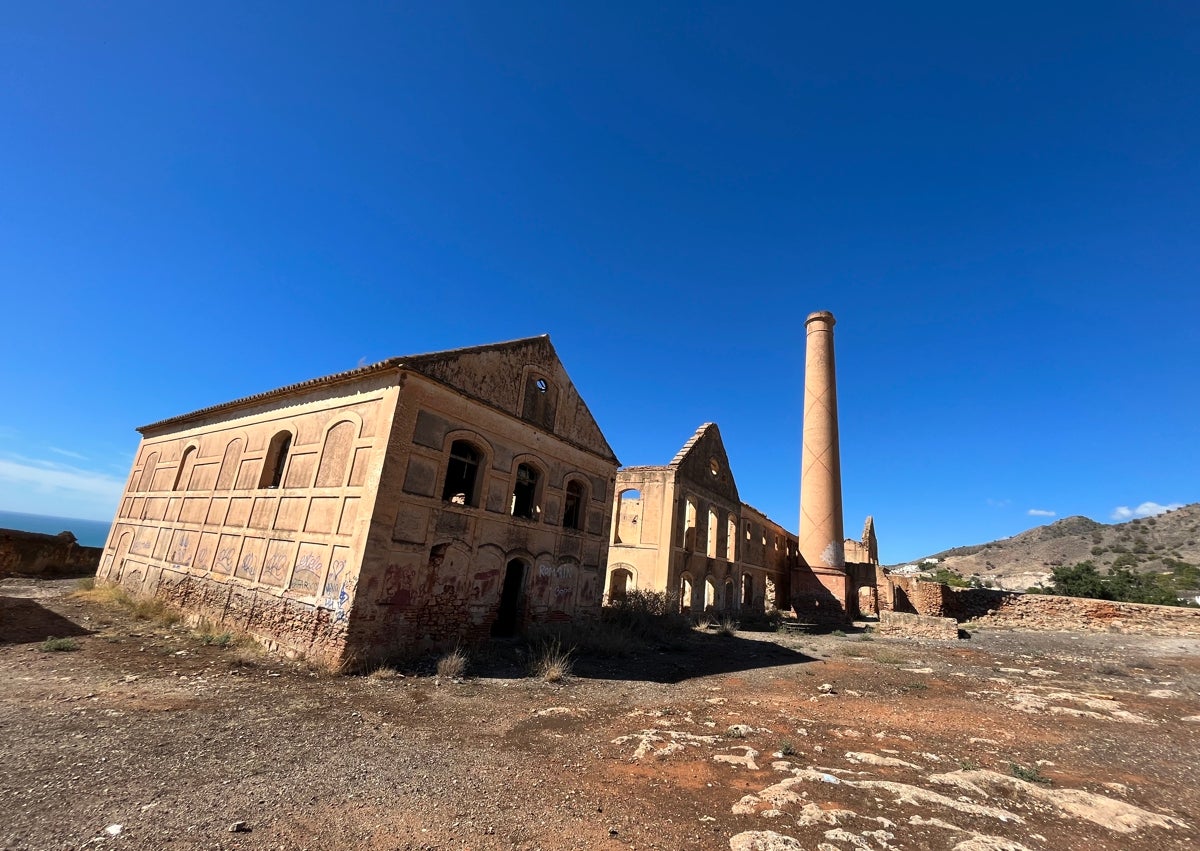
(1121,584)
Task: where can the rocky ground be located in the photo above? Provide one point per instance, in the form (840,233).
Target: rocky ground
(149,737)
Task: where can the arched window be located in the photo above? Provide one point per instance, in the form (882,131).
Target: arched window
(747,589)
(710,594)
(689,525)
(629,515)
(229,465)
(730,599)
(731,539)
(462,474)
(184,474)
(276,460)
(540,401)
(712,533)
(573,505)
(524,495)
(147,481)
(335,455)
(685,594)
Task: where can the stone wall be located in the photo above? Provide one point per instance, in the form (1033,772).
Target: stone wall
(905,625)
(1040,611)
(35,554)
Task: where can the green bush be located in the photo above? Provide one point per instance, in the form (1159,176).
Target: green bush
(1120,584)
(59,645)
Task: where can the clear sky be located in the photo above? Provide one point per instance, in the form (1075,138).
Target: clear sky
(999,202)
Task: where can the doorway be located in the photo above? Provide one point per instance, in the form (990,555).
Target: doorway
(509,614)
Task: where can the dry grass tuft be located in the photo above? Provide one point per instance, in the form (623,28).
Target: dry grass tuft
(383,672)
(453,664)
(142,608)
(727,627)
(552,664)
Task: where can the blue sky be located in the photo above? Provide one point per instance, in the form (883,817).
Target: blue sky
(998,202)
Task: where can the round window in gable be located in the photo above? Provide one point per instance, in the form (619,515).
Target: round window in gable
(714,466)
(540,384)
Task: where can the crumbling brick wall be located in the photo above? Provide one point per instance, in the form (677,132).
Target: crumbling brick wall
(1039,611)
(35,554)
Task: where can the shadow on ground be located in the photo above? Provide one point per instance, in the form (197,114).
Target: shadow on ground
(23,621)
(685,658)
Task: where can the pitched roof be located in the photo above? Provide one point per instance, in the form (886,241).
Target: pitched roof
(433,365)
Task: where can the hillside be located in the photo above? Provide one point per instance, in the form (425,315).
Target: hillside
(1027,559)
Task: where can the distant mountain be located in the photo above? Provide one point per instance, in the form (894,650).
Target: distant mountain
(1026,559)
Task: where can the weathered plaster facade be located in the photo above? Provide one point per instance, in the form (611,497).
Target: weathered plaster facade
(412,503)
(682,528)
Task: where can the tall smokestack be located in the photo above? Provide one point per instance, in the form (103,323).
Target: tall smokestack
(821,538)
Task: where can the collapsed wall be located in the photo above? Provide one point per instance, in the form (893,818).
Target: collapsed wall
(1016,609)
(37,554)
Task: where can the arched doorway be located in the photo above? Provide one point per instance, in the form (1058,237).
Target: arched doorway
(620,583)
(508,616)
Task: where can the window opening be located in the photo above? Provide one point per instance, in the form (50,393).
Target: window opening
(747,589)
(573,510)
(712,533)
(525,492)
(276,460)
(461,472)
(184,475)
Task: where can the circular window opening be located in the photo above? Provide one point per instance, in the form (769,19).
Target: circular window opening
(714,466)
(540,384)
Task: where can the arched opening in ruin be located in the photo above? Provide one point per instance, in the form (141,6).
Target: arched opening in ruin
(689,524)
(731,539)
(747,590)
(712,533)
(276,461)
(629,517)
(462,474)
(508,615)
(525,492)
(685,594)
(730,601)
(620,583)
(710,594)
(574,501)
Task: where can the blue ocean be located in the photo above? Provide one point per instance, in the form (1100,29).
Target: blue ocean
(89,533)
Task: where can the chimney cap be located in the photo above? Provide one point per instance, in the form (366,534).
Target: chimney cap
(820,316)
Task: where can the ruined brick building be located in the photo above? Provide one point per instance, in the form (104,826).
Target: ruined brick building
(409,503)
(450,496)
(683,529)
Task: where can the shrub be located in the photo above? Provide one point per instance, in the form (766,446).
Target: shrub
(786,748)
(1029,775)
(59,645)
(220,639)
(727,627)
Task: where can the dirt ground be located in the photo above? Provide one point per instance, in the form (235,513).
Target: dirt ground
(148,737)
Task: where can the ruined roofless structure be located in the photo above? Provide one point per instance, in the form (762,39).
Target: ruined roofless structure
(408,504)
(681,528)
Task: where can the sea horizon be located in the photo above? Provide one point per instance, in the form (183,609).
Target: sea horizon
(89,533)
